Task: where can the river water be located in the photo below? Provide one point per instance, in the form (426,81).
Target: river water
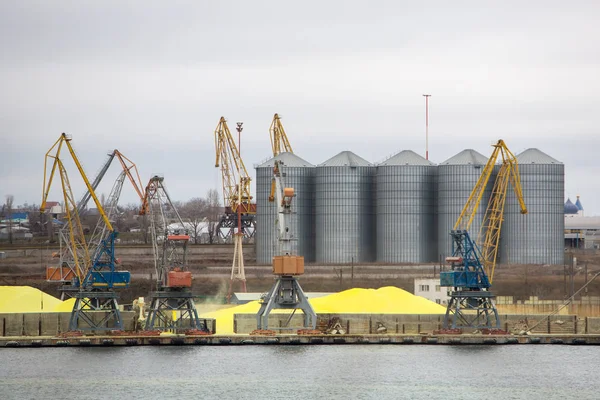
(302,372)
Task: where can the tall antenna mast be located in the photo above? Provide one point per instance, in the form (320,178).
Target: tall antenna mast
(427,96)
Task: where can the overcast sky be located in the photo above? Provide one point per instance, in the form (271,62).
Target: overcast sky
(153,78)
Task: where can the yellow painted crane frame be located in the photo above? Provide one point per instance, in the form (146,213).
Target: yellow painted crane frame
(78,243)
(489,233)
(236,181)
(279,140)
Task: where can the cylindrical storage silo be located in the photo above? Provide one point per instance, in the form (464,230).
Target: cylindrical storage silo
(405,208)
(344,210)
(298,174)
(457,177)
(538,236)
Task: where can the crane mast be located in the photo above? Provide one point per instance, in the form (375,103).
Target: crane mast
(96,278)
(286,293)
(236,185)
(473,263)
(172,305)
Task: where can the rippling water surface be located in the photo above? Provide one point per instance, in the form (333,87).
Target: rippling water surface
(308,372)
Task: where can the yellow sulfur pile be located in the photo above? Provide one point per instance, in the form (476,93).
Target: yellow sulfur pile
(386,300)
(23,299)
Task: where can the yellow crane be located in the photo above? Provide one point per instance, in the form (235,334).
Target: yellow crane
(279,140)
(95,306)
(488,238)
(473,264)
(77,239)
(236,180)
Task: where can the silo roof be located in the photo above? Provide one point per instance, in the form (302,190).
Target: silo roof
(346,158)
(535,156)
(406,157)
(289,160)
(466,157)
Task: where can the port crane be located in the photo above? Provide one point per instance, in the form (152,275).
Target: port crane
(236,185)
(471,303)
(65,272)
(286,293)
(96,276)
(279,140)
(172,305)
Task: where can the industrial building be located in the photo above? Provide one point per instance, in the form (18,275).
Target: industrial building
(401,210)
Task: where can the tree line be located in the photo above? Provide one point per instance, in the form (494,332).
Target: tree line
(201,216)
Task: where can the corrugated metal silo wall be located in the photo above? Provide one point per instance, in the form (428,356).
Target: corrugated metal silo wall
(301,220)
(344,214)
(538,236)
(405,207)
(455,184)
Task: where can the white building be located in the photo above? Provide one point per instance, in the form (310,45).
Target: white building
(430,289)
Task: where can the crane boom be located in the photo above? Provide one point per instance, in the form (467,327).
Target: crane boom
(66,139)
(279,140)
(86,197)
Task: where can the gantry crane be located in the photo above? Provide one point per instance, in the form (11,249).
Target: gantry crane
(286,293)
(172,304)
(96,277)
(279,140)
(65,272)
(236,185)
(472,264)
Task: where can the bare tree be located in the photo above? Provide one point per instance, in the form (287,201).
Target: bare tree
(193,211)
(9,209)
(214,211)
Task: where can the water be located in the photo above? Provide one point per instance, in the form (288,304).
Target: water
(307,372)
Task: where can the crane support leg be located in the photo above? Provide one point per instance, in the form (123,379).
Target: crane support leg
(95,311)
(471,309)
(286,293)
(173,310)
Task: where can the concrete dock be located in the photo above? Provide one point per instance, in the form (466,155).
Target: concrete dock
(234,340)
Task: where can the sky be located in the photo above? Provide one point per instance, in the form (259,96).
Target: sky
(152,78)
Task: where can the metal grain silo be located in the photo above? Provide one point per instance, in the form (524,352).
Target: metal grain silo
(405,209)
(538,236)
(296,173)
(344,210)
(457,177)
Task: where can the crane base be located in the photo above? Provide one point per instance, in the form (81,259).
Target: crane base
(95,311)
(286,293)
(471,309)
(173,310)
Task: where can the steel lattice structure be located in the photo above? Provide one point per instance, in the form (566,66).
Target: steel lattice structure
(172,305)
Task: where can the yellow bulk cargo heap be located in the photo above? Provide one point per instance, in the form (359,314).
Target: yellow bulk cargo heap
(24,299)
(386,300)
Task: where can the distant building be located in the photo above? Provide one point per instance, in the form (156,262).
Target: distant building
(582,232)
(430,289)
(54,208)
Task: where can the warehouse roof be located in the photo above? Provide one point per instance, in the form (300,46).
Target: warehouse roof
(582,223)
(346,158)
(535,156)
(466,157)
(289,160)
(406,157)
